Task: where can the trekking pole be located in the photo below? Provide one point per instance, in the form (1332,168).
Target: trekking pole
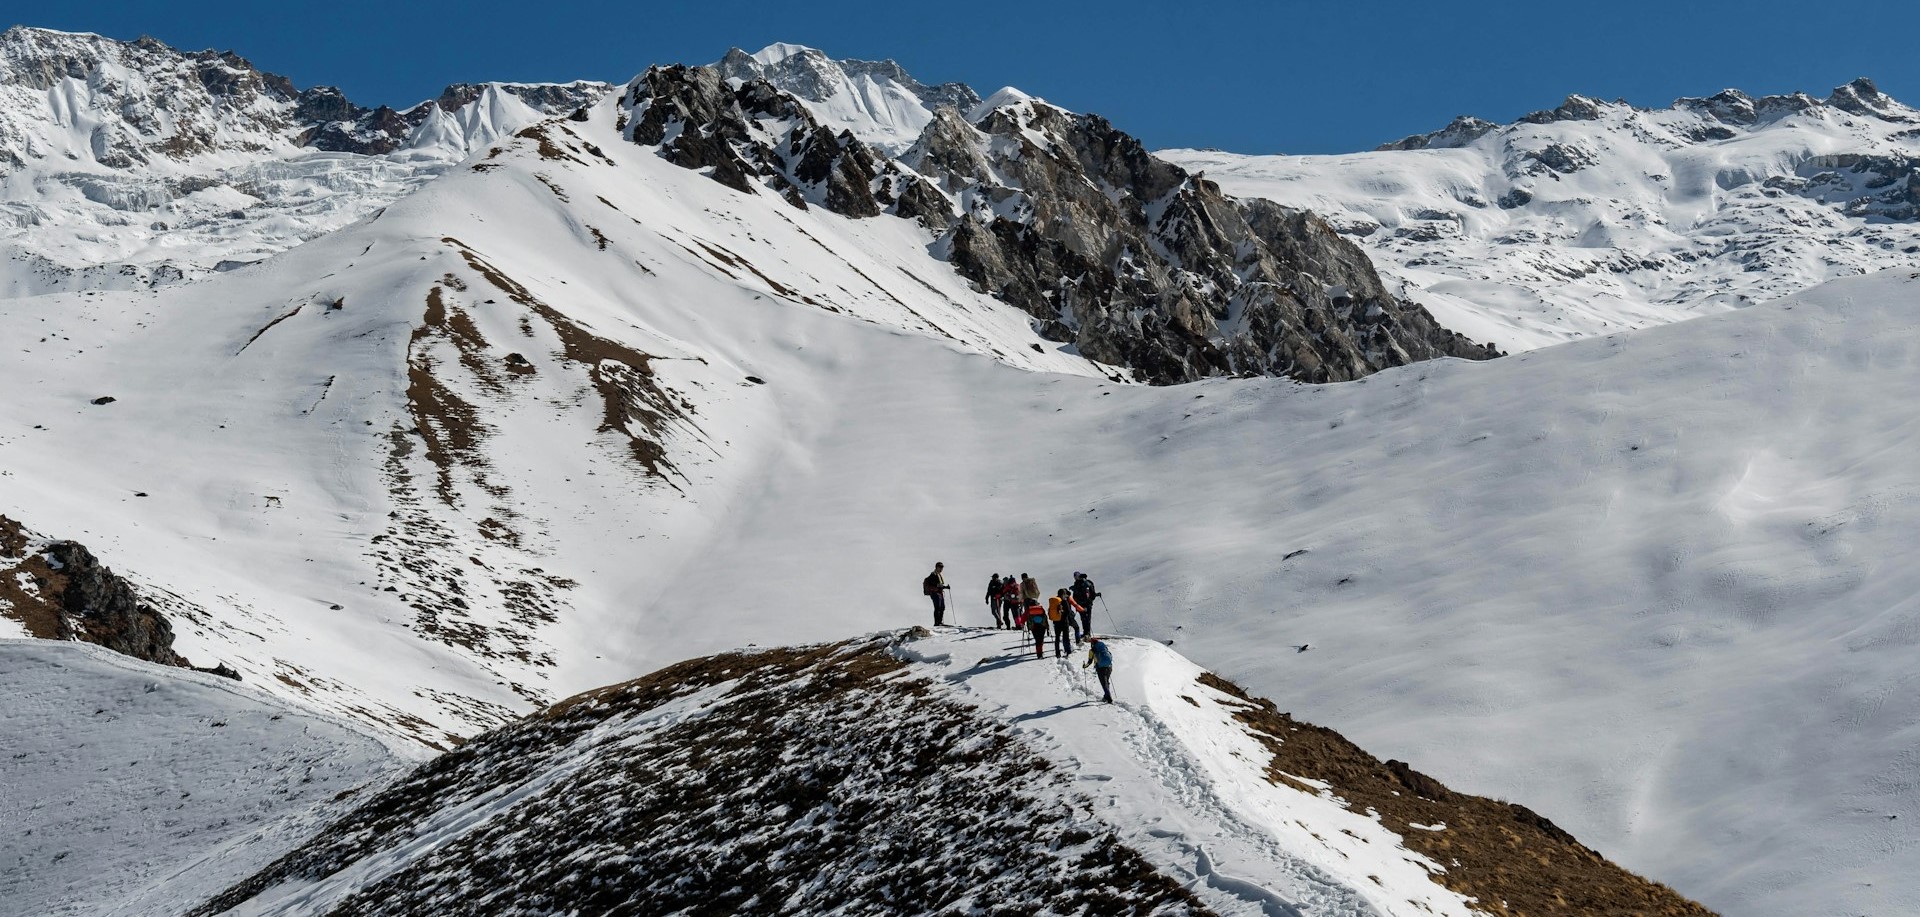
(1103,604)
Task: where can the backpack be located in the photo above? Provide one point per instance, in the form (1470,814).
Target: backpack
(1083,593)
(931,585)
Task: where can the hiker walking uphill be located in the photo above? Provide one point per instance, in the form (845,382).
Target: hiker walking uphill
(1060,611)
(1029,589)
(1083,594)
(1036,620)
(1101,659)
(993,601)
(935,586)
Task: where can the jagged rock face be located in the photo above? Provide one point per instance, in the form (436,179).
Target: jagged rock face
(1129,258)
(104,610)
(755,134)
(168,105)
(57,590)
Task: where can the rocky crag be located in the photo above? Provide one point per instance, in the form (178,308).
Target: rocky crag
(58,590)
(1134,261)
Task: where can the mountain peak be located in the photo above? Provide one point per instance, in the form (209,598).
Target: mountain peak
(879,101)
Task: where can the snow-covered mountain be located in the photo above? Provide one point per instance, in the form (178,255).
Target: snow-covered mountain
(1595,217)
(882,104)
(1128,258)
(898,775)
(130,164)
(609,395)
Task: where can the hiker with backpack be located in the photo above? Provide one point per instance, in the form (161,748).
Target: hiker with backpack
(1101,659)
(935,586)
(993,601)
(1060,611)
(1083,594)
(1011,603)
(1036,618)
(1029,589)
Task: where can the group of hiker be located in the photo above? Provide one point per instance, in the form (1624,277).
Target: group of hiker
(1015,604)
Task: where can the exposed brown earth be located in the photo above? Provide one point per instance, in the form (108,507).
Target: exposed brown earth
(1508,858)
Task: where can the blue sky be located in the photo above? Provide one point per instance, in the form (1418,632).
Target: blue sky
(1281,76)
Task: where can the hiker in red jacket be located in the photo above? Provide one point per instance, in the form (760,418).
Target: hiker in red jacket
(1036,617)
(935,586)
(1010,602)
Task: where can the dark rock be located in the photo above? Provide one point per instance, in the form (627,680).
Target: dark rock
(102,608)
(1421,784)
(222,669)
(105,399)
(1458,133)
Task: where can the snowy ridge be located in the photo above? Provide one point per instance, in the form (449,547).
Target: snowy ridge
(893,775)
(1596,217)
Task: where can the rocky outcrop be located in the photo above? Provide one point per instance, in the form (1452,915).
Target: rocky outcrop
(58,590)
(1458,133)
(102,608)
(1129,258)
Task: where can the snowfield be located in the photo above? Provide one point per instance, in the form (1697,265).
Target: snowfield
(1599,217)
(138,789)
(570,413)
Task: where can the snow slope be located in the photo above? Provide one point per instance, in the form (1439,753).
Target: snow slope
(1597,217)
(1651,584)
(137,789)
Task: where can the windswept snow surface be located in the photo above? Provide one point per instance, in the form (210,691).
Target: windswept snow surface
(1535,233)
(1658,586)
(137,789)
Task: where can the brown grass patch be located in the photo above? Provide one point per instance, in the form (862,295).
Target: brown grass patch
(1510,859)
(30,588)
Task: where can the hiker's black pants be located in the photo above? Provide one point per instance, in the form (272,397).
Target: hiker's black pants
(1106,681)
(1039,631)
(939,607)
(1063,636)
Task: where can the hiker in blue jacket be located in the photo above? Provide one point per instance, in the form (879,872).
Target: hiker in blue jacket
(1101,659)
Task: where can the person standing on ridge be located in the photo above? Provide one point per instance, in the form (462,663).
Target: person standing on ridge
(1083,594)
(1036,618)
(1060,611)
(993,601)
(935,586)
(1011,604)
(1101,659)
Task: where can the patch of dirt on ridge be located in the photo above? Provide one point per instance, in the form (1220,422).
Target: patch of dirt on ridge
(1509,858)
(810,780)
(30,588)
(447,423)
(634,403)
